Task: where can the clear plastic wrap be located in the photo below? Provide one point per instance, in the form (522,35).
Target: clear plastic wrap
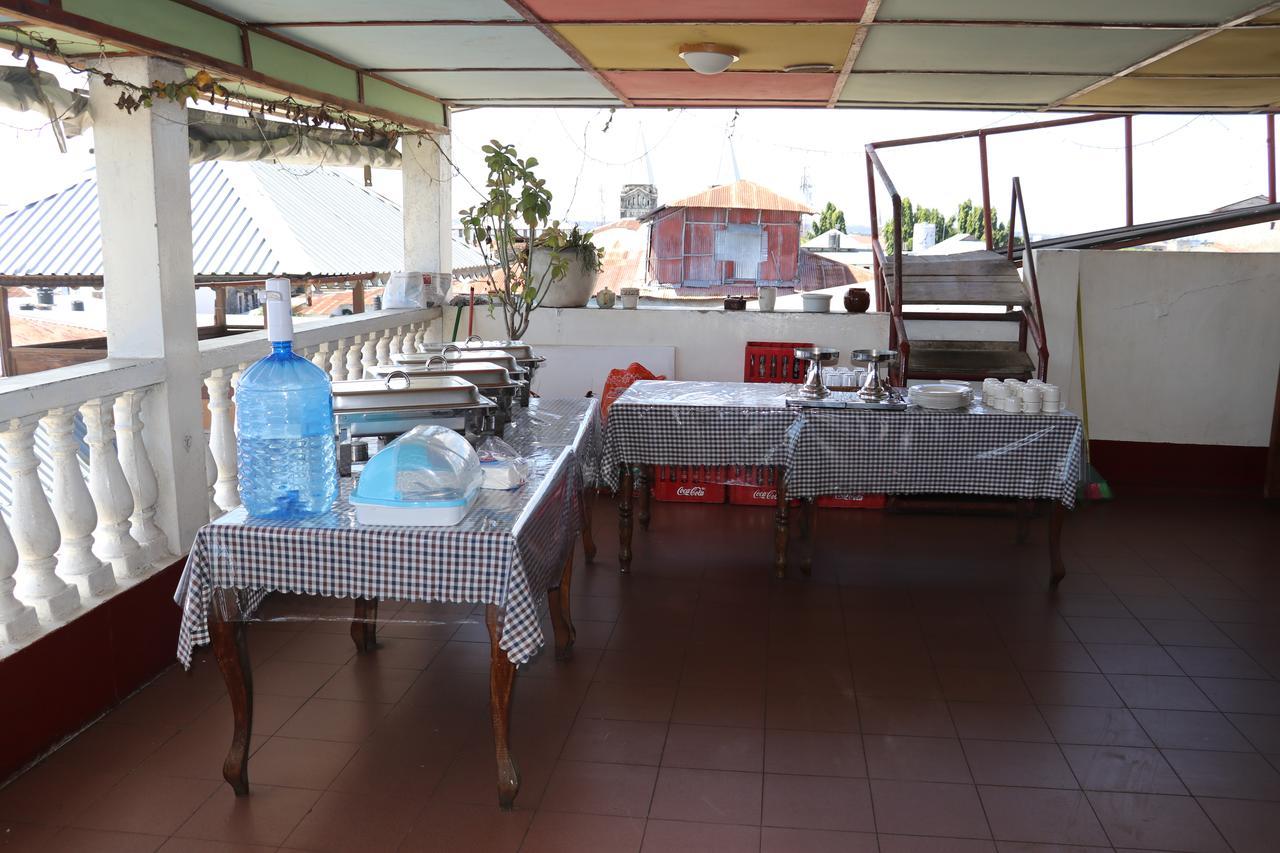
(501,466)
(426,465)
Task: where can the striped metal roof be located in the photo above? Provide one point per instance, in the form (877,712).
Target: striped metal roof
(247,219)
(741,194)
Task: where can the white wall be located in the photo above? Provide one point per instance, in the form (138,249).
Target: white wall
(1180,347)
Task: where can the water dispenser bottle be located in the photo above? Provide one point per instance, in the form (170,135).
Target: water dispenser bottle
(284,425)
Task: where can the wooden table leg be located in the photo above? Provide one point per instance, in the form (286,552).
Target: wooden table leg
(561,622)
(364,624)
(502,674)
(1057,568)
(588,541)
(624,520)
(1023,512)
(231,649)
(780,527)
(644,497)
(809,533)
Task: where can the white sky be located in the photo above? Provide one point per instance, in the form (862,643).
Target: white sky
(1072,177)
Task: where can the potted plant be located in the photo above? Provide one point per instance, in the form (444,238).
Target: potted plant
(516,197)
(574,289)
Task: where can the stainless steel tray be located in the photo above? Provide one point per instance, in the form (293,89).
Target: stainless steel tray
(850,400)
(399,392)
(485,375)
(519,350)
(462,356)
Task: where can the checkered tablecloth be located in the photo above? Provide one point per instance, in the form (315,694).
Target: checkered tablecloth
(508,551)
(844,451)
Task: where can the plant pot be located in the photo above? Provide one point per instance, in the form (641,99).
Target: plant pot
(606,298)
(857,300)
(767,297)
(630,297)
(816,303)
(572,291)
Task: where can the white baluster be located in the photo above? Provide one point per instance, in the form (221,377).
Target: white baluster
(35,530)
(111,493)
(73,507)
(383,350)
(222,439)
(338,361)
(211,479)
(355,369)
(407,342)
(321,357)
(369,353)
(136,462)
(17,621)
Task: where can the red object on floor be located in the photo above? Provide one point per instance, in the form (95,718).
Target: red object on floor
(753,486)
(773,361)
(688,484)
(871,500)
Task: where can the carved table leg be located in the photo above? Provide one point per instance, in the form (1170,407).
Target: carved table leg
(624,520)
(1023,511)
(588,542)
(364,624)
(232,651)
(810,534)
(780,525)
(561,622)
(1057,568)
(644,497)
(502,674)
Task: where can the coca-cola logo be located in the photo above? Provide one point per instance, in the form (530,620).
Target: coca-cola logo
(765,494)
(850,497)
(691,492)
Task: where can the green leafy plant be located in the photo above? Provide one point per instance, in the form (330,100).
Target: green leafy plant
(578,243)
(516,197)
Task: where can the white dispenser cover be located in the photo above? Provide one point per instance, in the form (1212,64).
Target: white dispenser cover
(427,477)
(279,307)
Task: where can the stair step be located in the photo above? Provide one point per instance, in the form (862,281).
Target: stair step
(946,360)
(968,278)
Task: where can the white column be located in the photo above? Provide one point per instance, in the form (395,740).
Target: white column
(138,470)
(111,494)
(17,621)
(427,206)
(35,530)
(73,507)
(222,439)
(144,200)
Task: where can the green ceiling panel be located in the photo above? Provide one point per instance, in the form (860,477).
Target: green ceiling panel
(469,85)
(960,89)
(388,97)
(1100,11)
(71,44)
(294,65)
(165,21)
(1009,49)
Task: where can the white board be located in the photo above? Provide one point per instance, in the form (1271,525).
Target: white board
(572,371)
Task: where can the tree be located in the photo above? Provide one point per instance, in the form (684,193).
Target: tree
(830,217)
(911,215)
(968,220)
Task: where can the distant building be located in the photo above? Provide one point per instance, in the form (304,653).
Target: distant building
(637,200)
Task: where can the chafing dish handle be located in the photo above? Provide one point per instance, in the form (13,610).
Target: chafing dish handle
(397,374)
(444,362)
(444,350)
(475,338)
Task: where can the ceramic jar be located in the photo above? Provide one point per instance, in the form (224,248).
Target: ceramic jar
(606,298)
(857,300)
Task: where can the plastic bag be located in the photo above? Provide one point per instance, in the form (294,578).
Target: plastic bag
(414,290)
(618,381)
(501,466)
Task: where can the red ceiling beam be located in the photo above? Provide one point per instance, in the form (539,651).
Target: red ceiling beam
(859,36)
(564,44)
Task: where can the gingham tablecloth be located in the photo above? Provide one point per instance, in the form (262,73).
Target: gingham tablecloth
(508,551)
(844,451)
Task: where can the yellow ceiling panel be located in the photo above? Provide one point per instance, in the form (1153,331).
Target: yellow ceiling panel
(1189,94)
(762,47)
(1243,52)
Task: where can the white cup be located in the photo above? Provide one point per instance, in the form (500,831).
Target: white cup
(1050,394)
(1030,407)
(1009,404)
(1051,408)
(1030,394)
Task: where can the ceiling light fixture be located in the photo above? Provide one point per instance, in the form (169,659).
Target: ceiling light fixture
(708,58)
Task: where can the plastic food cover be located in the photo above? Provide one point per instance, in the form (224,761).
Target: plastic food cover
(427,466)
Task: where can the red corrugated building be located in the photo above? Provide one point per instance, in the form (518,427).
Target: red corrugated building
(727,239)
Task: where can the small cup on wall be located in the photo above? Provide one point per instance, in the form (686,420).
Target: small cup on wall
(630,297)
(767,297)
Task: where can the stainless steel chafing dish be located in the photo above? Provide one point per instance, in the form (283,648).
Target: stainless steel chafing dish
(398,402)
(456,354)
(493,380)
(523,354)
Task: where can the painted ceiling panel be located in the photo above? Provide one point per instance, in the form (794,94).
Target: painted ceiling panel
(463,85)
(1208,93)
(435,47)
(1036,49)
(697,10)
(1101,11)
(1244,52)
(280,11)
(996,89)
(763,47)
(743,85)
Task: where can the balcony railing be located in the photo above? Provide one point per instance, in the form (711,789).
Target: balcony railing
(74,532)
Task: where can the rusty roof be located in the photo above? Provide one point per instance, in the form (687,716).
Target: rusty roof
(740,194)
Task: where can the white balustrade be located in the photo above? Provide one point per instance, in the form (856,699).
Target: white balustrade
(73,507)
(369,353)
(383,350)
(222,439)
(355,369)
(112,496)
(35,530)
(17,620)
(338,361)
(407,342)
(393,346)
(138,470)
(321,357)
(211,479)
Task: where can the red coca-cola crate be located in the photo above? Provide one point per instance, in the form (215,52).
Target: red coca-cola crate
(773,361)
(753,486)
(688,484)
(869,500)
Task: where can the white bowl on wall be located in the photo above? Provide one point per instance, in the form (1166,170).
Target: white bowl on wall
(816,303)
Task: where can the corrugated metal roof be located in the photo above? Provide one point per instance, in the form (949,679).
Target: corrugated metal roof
(740,194)
(250,219)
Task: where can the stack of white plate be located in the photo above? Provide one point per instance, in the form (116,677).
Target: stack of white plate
(940,395)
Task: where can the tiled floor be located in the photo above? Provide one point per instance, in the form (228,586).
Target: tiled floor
(922,692)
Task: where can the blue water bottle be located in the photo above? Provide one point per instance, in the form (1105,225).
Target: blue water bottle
(284,425)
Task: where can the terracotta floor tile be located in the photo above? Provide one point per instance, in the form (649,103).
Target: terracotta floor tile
(719,706)
(472,777)
(1242,695)
(954,810)
(775,839)
(1007,722)
(918,717)
(1014,763)
(1191,730)
(899,682)
(147,804)
(1163,692)
(109,748)
(921,759)
(53,796)
(1133,659)
(1156,822)
(629,702)
(295,763)
(1052,657)
(359,681)
(833,712)
(623,790)
(552,832)
(1041,815)
(23,837)
(669,836)
(813,753)
(714,748)
(616,741)
(1263,731)
(451,827)
(817,802)
(291,678)
(196,845)
(1138,770)
(1072,688)
(1103,629)
(1187,632)
(1096,726)
(313,647)
(392,772)
(270,712)
(341,822)
(265,817)
(72,840)
(1216,662)
(713,796)
(334,719)
(925,844)
(1242,775)
(1249,827)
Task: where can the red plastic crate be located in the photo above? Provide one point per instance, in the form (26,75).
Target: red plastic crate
(686,484)
(753,486)
(870,500)
(773,361)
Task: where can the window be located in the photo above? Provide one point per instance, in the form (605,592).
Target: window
(743,245)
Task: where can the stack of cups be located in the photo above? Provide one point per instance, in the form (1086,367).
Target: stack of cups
(1052,400)
(1031,399)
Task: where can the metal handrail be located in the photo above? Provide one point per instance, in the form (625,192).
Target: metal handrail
(1018,217)
(897,328)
